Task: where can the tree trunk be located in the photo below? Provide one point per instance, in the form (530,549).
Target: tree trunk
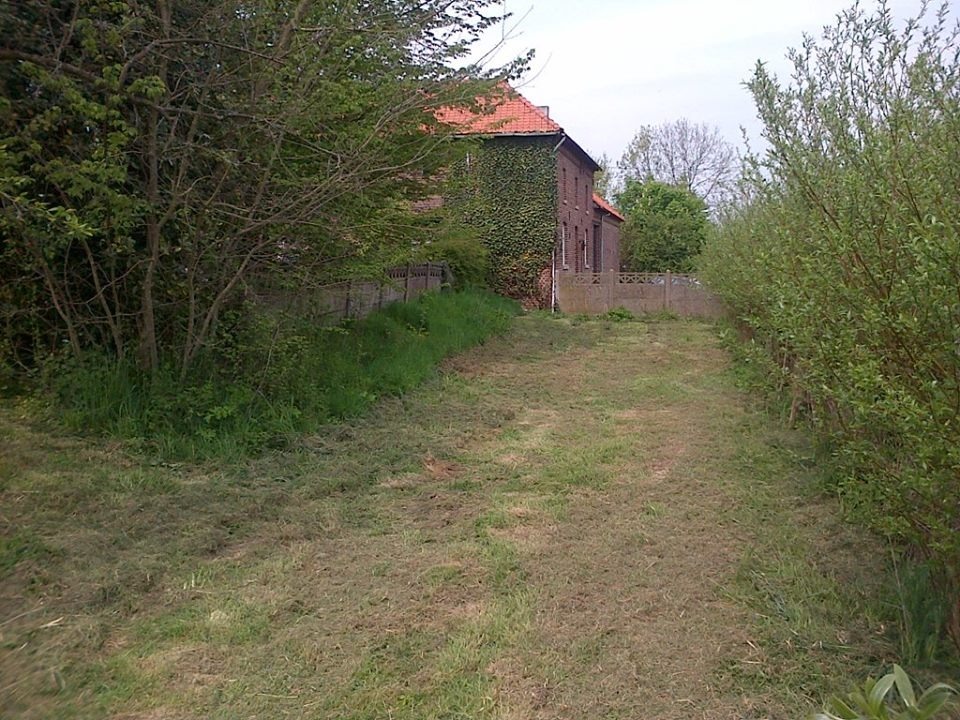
(149,350)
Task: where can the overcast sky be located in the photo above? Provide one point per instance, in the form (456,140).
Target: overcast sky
(606,67)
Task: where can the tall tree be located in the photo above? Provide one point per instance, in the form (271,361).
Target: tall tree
(681,153)
(665,229)
(192,147)
(604,181)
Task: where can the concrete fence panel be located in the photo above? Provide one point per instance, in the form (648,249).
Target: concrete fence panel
(597,293)
(329,304)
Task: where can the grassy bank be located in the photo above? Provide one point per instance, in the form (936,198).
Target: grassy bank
(268,379)
(571,521)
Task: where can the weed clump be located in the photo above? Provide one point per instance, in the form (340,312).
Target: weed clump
(619,314)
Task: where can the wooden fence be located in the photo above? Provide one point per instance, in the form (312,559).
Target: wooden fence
(596,293)
(329,304)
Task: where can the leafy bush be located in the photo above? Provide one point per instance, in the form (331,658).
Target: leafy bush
(107,246)
(272,378)
(665,229)
(845,267)
(460,248)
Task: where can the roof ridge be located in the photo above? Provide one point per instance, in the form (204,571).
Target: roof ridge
(536,108)
(511,114)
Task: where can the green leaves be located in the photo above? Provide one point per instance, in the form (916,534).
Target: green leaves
(846,265)
(507,196)
(665,229)
(872,701)
(205,147)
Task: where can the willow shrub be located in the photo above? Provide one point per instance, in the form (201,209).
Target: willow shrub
(845,265)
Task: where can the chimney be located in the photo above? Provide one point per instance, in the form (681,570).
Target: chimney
(545,109)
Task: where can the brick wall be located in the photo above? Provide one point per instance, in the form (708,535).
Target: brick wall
(610,230)
(574,210)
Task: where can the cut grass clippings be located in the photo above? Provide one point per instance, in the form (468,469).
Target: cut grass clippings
(583,521)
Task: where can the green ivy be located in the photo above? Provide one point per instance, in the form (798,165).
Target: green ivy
(507,192)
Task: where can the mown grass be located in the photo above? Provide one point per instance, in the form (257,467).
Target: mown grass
(819,591)
(269,379)
(907,609)
(533,532)
(164,577)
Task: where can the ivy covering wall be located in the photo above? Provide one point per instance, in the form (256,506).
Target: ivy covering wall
(507,192)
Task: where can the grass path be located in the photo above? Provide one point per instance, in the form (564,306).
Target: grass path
(574,521)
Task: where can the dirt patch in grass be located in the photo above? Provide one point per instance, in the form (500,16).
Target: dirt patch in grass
(572,521)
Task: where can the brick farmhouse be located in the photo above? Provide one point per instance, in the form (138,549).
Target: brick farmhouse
(586,234)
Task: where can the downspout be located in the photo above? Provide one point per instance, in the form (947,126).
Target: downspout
(553,280)
(553,273)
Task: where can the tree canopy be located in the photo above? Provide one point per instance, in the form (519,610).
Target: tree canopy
(685,154)
(604,180)
(158,158)
(665,227)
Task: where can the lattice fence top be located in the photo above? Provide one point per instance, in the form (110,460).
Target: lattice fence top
(595,293)
(658,279)
(637,279)
(432,270)
(582,279)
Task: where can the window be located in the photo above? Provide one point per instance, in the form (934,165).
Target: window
(563,245)
(576,195)
(597,249)
(586,239)
(577,255)
(563,186)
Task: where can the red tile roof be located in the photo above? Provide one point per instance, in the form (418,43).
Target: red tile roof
(607,207)
(512,114)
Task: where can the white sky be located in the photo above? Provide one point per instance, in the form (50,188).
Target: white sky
(606,67)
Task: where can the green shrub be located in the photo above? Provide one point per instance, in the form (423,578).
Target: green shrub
(844,267)
(665,229)
(463,252)
(274,377)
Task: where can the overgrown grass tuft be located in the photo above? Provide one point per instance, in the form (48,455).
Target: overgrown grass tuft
(271,379)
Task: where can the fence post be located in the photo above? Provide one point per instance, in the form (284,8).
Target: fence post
(446,275)
(346,304)
(379,295)
(406,285)
(608,286)
(666,294)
